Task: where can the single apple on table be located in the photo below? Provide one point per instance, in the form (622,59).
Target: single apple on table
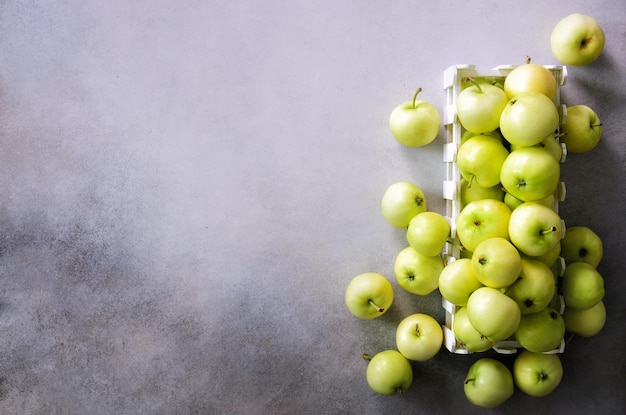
(479,107)
(530,77)
(535,229)
(417,273)
(419,337)
(585,323)
(415,123)
(457,281)
(369,295)
(528,119)
(582,286)
(401,202)
(493,313)
(537,374)
(389,372)
(479,160)
(535,287)
(480,220)
(530,174)
(428,232)
(581,244)
(466,335)
(488,383)
(577,40)
(542,331)
(582,129)
(496,262)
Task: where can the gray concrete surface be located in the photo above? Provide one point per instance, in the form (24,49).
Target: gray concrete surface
(187,188)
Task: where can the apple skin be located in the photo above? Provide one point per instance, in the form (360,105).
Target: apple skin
(457,281)
(542,331)
(577,40)
(496,263)
(530,174)
(530,77)
(415,123)
(582,286)
(479,160)
(479,107)
(548,258)
(528,119)
(466,335)
(417,273)
(389,373)
(480,220)
(512,202)
(488,383)
(428,232)
(582,129)
(585,323)
(581,244)
(369,295)
(537,374)
(419,337)
(401,202)
(493,313)
(535,229)
(535,288)
(551,144)
(469,193)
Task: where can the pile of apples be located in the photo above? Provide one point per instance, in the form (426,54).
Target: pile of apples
(505,284)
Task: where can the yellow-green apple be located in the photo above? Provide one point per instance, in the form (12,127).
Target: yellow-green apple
(468,193)
(535,288)
(466,335)
(493,313)
(582,286)
(496,262)
(417,273)
(535,229)
(488,383)
(549,258)
(528,119)
(428,232)
(480,220)
(537,374)
(585,323)
(530,174)
(369,295)
(530,77)
(542,331)
(414,123)
(479,107)
(582,129)
(468,134)
(457,281)
(512,202)
(389,372)
(401,202)
(577,40)
(581,244)
(419,337)
(479,160)
(551,143)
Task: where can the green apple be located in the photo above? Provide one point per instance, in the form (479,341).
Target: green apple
(582,129)
(530,77)
(468,134)
(581,244)
(389,372)
(585,323)
(369,295)
(419,337)
(512,202)
(528,119)
(548,258)
(493,313)
(542,331)
(457,281)
(417,273)
(401,202)
(535,229)
(551,143)
(479,160)
(582,286)
(467,337)
(488,383)
(496,262)
(577,40)
(480,220)
(530,174)
(469,193)
(428,232)
(479,107)
(414,123)
(537,374)
(535,288)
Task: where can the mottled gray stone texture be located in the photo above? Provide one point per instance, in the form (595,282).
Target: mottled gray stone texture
(187,187)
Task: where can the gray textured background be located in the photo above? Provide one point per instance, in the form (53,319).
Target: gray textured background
(188,186)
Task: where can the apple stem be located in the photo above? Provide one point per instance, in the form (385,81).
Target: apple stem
(469,184)
(367,356)
(596,125)
(527,59)
(473,81)
(416,94)
(380,309)
(469,380)
(546,231)
(417,329)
